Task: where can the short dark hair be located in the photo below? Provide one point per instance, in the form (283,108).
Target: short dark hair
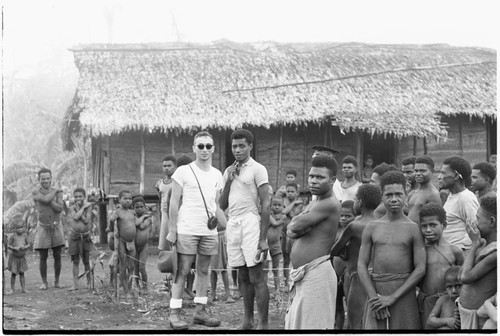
(123,192)
(138,199)
(452,272)
(292,184)
(486,169)
(170,158)
(410,160)
(277,198)
(80,189)
(489,203)
(291,172)
(203,134)
(427,160)
(383,168)
(370,195)
(461,166)
(242,134)
(350,159)
(44,170)
(433,209)
(328,162)
(349,204)
(184,160)
(392,177)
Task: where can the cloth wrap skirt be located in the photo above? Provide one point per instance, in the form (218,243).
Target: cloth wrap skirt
(313,296)
(404,312)
(49,236)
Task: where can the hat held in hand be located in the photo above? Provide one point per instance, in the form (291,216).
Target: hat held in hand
(167,261)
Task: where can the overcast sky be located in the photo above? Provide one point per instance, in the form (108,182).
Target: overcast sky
(32,29)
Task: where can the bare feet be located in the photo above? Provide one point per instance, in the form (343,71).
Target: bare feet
(213,298)
(71,289)
(43,287)
(237,295)
(24,290)
(10,292)
(58,285)
(229,299)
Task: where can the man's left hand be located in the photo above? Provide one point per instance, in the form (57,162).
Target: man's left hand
(263,246)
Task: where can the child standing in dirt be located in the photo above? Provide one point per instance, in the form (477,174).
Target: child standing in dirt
(125,219)
(276,221)
(143,224)
(18,245)
(79,220)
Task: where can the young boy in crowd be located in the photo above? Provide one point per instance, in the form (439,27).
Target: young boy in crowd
(440,256)
(394,246)
(293,206)
(143,224)
(479,271)
(444,314)
(366,201)
(339,263)
(276,222)
(291,176)
(18,244)
(125,219)
(79,240)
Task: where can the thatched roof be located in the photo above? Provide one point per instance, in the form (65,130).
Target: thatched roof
(384,89)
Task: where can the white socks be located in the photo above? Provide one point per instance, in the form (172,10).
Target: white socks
(175,303)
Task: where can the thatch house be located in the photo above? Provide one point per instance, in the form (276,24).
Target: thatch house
(140,102)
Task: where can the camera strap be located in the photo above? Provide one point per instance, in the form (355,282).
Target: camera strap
(201,191)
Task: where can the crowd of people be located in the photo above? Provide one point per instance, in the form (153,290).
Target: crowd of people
(385,250)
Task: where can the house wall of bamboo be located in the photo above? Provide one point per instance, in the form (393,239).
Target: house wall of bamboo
(118,159)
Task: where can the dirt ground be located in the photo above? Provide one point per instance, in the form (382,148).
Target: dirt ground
(62,310)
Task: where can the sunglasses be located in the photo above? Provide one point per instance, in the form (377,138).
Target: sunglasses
(202,146)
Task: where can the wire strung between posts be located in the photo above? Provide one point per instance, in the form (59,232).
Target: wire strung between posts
(212,269)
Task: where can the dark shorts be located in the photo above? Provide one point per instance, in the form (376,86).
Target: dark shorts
(275,248)
(203,245)
(78,243)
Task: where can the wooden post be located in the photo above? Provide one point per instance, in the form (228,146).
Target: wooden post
(305,160)
(414,145)
(143,166)
(359,153)
(173,142)
(103,224)
(107,165)
(460,135)
(280,148)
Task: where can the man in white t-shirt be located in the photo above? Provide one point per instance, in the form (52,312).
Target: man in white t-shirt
(188,227)
(246,197)
(461,206)
(347,189)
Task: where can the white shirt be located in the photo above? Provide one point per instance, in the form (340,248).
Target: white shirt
(459,208)
(345,194)
(192,218)
(244,194)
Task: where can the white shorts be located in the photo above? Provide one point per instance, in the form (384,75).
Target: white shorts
(243,234)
